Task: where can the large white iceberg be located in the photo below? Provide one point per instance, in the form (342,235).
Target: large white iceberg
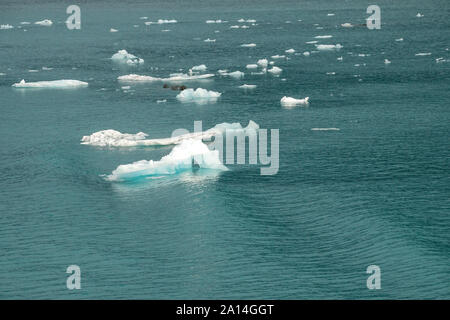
(113,138)
(51,84)
(182,157)
(124,57)
(290,102)
(198,95)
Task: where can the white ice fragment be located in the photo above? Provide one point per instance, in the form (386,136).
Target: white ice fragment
(290,102)
(57,84)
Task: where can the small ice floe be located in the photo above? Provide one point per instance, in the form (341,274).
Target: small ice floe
(222,72)
(252,66)
(214,21)
(306,53)
(209,40)
(161,101)
(325,129)
(248,86)
(123,56)
(347,25)
(423,54)
(331,73)
(33,70)
(275,70)
(278,56)
(25,23)
(235,74)
(263,63)
(176,77)
(2,74)
(46,68)
(290,50)
(6,27)
(399,39)
(419,15)
(386,61)
(125,88)
(45,22)
(143,18)
(234,27)
(323,37)
(161,21)
(166,30)
(248,45)
(291,102)
(57,84)
(198,95)
(113,30)
(328,47)
(440,60)
(312,42)
(330,14)
(340,58)
(201,67)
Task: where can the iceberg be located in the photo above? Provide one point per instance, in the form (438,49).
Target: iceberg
(252,66)
(45,22)
(278,56)
(327,47)
(6,27)
(323,37)
(290,51)
(123,56)
(290,102)
(174,77)
(201,67)
(248,86)
(113,30)
(263,63)
(275,70)
(181,158)
(209,40)
(248,45)
(58,84)
(236,74)
(199,96)
(113,138)
(346,25)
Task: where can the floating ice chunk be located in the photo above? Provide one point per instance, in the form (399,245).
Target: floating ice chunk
(325,129)
(399,39)
(290,102)
(198,96)
(306,53)
(209,40)
(275,70)
(124,57)
(181,158)
(143,18)
(161,101)
(201,67)
(113,138)
(278,56)
(327,47)
(323,37)
(46,23)
(248,45)
(113,30)
(214,21)
(423,54)
(248,86)
(6,27)
(235,74)
(32,70)
(331,73)
(57,84)
(241,20)
(234,27)
(163,21)
(347,25)
(174,77)
(330,14)
(419,15)
(25,23)
(244,27)
(263,63)
(222,72)
(46,68)
(340,58)
(386,61)
(290,51)
(252,66)
(312,42)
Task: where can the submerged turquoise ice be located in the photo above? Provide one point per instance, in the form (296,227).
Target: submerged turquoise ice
(376,191)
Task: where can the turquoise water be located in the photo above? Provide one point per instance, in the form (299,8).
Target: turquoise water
(374,192)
